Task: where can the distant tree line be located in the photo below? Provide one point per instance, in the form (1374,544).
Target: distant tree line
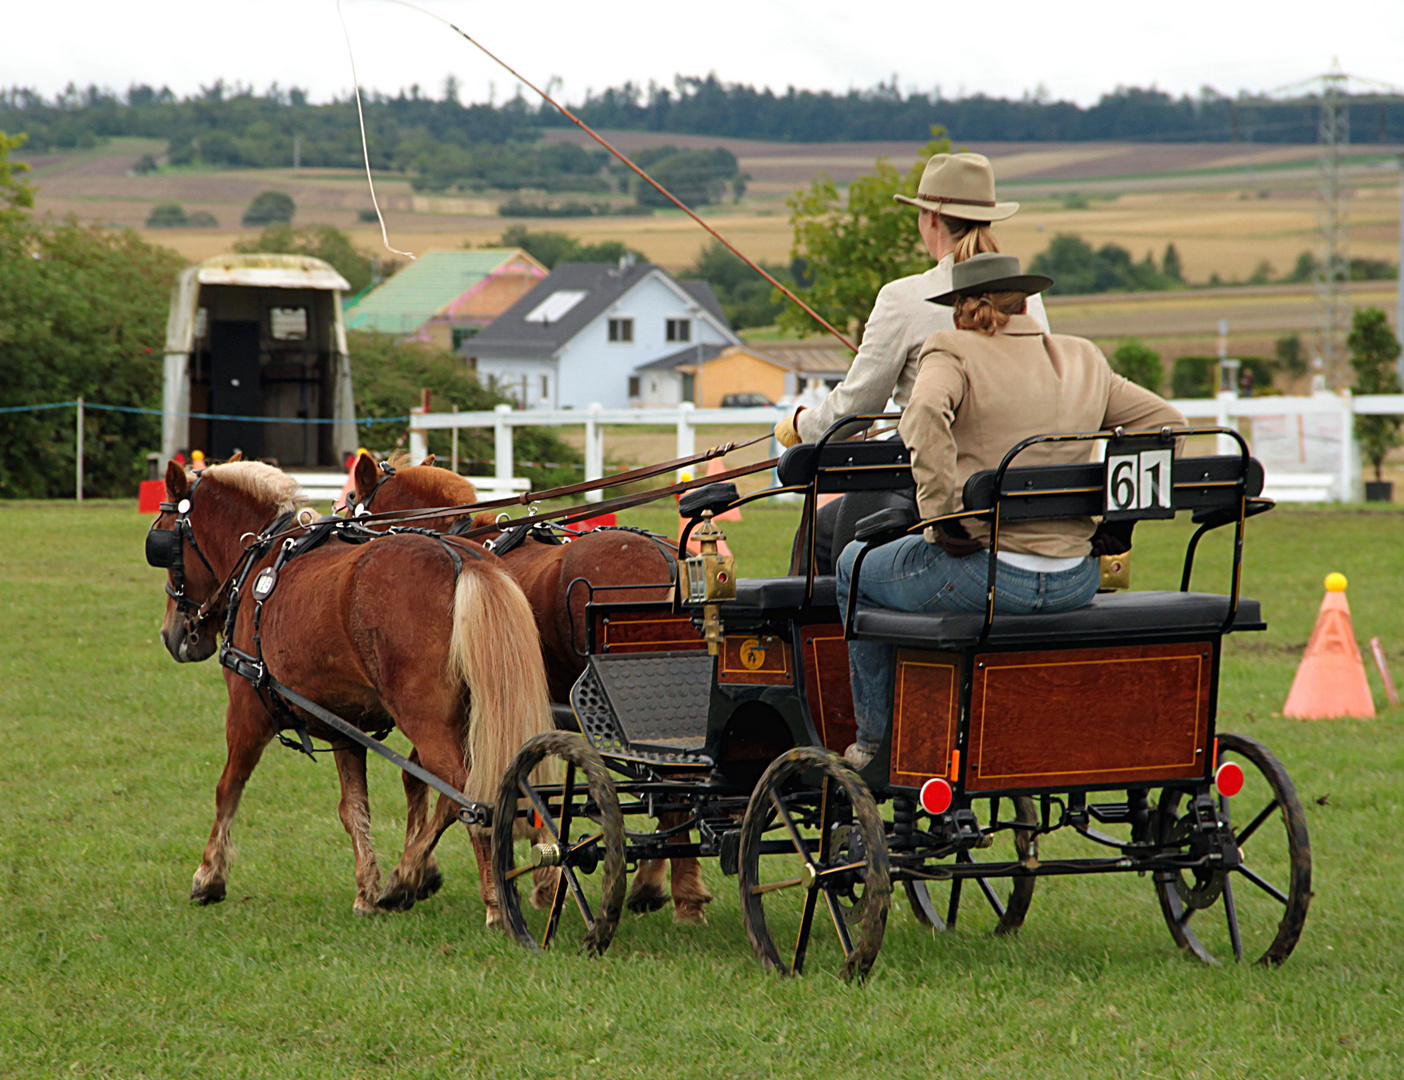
(234,125)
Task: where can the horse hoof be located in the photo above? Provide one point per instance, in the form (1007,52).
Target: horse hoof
(212,892)
(691,914)
(396,897)
(365,907)
(649,898)
(494,918)
(432,883)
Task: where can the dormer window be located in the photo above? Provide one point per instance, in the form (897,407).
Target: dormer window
(621,330)
(678,330)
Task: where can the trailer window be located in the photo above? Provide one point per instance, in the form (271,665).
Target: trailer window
(288,323)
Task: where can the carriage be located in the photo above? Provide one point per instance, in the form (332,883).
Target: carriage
(726,707)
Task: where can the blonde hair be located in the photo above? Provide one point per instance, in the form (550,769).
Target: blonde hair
(988,312)
(971,237)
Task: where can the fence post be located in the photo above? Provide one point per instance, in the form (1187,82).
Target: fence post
(594,449)
(418,436)
(1225,444)
(502,444)
(78,464)
(687,434)
(1350,452)
(453,453)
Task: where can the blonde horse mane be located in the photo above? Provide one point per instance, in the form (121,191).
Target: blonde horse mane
(271,487)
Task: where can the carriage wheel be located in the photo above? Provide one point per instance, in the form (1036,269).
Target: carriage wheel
(1263,902)
(578,830)
(1010,910)
(834,862)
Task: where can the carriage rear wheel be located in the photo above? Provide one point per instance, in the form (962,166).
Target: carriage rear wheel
(812,842)
(939,911)
(572,861)
(1262,903)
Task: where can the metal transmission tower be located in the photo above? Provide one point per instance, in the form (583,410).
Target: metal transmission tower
(1332,92)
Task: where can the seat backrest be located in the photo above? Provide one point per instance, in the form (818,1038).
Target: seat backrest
(860,465)
(1035,492)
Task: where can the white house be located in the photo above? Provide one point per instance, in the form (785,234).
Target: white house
(582,334)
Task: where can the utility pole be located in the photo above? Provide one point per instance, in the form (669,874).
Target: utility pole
(297,153)
(1399,303)
(1332,274)
(78,455)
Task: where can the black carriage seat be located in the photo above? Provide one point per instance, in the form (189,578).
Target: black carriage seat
(862,465)
(1207,486)
(766,596)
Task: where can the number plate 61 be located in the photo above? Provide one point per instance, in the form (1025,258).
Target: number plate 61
(1139,479)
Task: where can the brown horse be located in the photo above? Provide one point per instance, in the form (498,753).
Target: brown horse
(549,576)
(385,634)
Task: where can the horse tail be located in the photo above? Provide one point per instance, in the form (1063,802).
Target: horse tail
(496,654)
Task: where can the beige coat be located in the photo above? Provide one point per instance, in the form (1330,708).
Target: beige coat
(976,396)
(886,365)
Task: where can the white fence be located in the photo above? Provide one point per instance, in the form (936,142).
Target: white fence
(1332,473)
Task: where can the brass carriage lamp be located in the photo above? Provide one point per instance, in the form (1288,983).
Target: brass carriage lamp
(710,578)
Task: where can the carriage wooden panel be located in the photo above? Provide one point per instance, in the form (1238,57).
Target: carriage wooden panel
(925,715)
(827,686)
(1109,716)
(759,659)
(646,631)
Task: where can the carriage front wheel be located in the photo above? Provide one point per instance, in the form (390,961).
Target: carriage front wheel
(557,830)
(1257,908)
(812,844)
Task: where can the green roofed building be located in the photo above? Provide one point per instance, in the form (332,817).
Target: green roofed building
(445,297)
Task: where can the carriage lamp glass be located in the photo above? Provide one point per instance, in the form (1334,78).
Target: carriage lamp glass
(936,795)
(1228,778)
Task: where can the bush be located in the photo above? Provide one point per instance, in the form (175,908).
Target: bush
(1139,363)
(1193,376)
(167,215)
(203,219)
(746,297)
(270,208)
(697,177)
(146,165)
(388,377)
(1076,268)
(549,247)
(1289,355)
(1373,350)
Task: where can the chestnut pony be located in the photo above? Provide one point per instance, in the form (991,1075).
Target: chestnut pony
(385,634)
(546,573)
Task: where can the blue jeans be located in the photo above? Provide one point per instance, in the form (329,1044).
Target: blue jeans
(912,575)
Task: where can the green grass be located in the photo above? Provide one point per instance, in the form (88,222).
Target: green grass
(110,755)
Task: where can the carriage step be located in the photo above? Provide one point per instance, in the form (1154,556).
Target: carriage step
(651,707)
(1110,813)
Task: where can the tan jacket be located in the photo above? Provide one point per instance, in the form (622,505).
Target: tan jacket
(976,396)
(886,365)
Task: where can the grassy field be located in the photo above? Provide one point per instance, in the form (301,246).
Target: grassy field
(111,751)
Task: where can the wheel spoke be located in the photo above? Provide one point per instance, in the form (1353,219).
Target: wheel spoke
(1231,914)
(802,938)
(836,914)
(790,826)
(774,886)
(568,872)
(554,919)
(566,794)
(1262,883)
(1253,825)
(540,806)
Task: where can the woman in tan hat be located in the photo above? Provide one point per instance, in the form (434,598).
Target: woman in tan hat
(981,388)
(956,207)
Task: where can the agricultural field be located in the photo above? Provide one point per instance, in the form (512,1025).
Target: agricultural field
(110,755)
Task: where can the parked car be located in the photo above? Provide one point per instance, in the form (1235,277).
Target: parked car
(746,401)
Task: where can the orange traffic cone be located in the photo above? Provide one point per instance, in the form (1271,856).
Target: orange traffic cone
(1331,679)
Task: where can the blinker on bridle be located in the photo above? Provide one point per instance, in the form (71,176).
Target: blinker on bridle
(165,550)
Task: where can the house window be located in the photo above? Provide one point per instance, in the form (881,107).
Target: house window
(678,330)
(545,388)
(633,386)
(689,388)
(621,329)
(462,334)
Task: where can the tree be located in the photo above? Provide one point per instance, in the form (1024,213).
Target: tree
(1139,363)
(388,376)
(550,247)
(1290,356)
(696,177)
(1171,266)
(16,196)
(82,312)
(851,249)
(1373,351)
(1076,268)
(325,242)
(270,208)
(167,215)
(746,297)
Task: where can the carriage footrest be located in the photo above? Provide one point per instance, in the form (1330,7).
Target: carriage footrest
(651,706)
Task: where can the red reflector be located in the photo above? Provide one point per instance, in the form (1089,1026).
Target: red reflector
(1229,778)
(936,795)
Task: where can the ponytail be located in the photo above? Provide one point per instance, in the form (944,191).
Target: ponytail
(971,237)
(988,312)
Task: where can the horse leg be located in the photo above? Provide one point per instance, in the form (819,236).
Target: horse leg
(690,895)
(647,892)
(417,804)
(441,753)
(354,810)
(247,730)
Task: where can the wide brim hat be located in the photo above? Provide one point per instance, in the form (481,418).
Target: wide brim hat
(960,186)
(990,272)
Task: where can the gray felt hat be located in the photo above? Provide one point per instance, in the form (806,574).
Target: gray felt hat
(990,272)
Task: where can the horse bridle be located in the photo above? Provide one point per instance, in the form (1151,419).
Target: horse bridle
(165,550)
(361,507)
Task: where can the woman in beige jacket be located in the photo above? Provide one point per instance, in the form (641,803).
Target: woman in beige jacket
(996,380)
(956,207)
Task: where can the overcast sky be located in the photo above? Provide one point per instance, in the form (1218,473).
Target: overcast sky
(1075,49)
